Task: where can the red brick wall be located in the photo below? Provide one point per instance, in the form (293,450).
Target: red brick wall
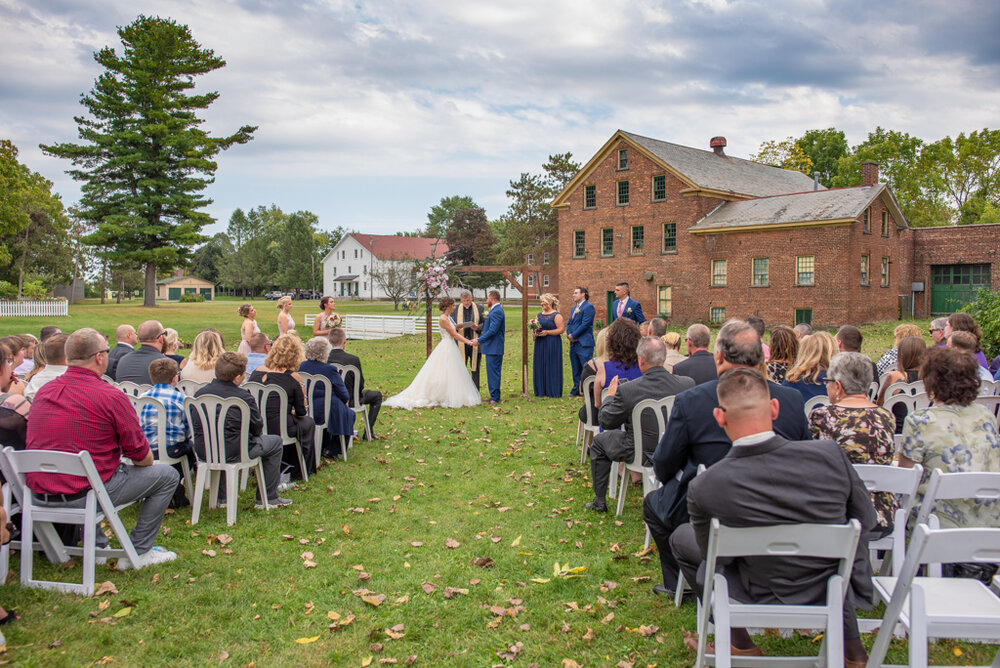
(966,244)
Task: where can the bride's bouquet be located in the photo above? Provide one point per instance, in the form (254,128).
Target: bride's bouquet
(333,322)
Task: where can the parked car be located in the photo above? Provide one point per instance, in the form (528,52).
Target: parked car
(273,294)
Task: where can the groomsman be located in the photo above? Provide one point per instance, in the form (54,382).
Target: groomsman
(624,306)
(580,332)
(471,313)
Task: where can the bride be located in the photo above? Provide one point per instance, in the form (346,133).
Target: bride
(443,380)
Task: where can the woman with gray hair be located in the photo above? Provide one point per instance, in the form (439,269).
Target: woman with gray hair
(861,428)
(341,421)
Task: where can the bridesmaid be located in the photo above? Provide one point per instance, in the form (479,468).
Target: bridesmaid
(285,321)
(322,324)
(248,328)
(548,376)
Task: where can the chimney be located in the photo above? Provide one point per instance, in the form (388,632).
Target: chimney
(717,144)
(869,173)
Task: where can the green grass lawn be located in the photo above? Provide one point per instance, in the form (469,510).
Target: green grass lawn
(454,524)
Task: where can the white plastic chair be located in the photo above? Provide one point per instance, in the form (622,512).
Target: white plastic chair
(311,380)
(262,393)
(133,389)
(661,408)
(160,452)
(97,508)
(911,401)
(210,412)
(988,388)
(935,607)
(587,428)
(818,400)
(830,541)
(190,387)
(873,388)
(903,483)
(992,404)
(355,389)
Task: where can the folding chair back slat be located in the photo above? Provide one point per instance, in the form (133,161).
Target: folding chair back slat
(981,486)
(190,387)
(133,389)
(355,389)
(263,394)
(660,408)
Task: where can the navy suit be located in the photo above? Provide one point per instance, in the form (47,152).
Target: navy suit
(581,348)
(491,343)
(633,311)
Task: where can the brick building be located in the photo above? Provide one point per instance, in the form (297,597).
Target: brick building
(702,236)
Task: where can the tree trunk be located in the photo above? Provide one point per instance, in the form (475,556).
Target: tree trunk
(104,280)
(149,293)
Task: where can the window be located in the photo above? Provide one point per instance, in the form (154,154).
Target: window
(531,258)
(866,221)
(545,257)
(803,316)
(365,285)
(659,188)
(623,158)
(364,269)
(607,241)
(719,272)
(348,269)
(590,197)
(865,261)
(804,265)
(638,238)
(885,223)
(623,193)
(579,243)
(531,280)
(664,300)
(355,253)
(760,270)
(545,280)
(885,272)
(717,315)
(669,237)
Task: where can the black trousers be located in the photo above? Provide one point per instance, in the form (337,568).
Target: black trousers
(661,536)
(469,351)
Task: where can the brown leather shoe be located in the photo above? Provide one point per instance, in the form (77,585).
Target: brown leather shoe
(854,664)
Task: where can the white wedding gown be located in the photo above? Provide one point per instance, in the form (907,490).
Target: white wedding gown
(442,381)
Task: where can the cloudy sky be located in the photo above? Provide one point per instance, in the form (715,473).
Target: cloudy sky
(371,112)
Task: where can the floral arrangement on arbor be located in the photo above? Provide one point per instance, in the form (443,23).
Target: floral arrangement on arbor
(432,277)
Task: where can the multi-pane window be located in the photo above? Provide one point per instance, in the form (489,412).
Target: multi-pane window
(579,243)
(659,188)
(669,237)
(607,241)
(623,158)
(531,280)
(638,238)
(590,197)
(355,253)
(664,300)
(885,271)
(803,316)
(622,193)
(885,223)
(545,280)
(718,272)
(761,268)
(866,221)
(804,265)
(531,258)
(717,315)
(545,257)
(865,260)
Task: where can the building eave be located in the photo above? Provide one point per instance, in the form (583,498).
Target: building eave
(835,222)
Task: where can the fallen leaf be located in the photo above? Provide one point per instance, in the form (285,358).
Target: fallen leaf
(570,663)
(588,636)
(224,539)
(540,580)
(608,618)
(208,553)
(496,539)
(223,656)
(646,631)
(333,616)
(690,639)
(564,628)
(416,543)
(307,555)
(957,651)
(428,587)
(306,641)
(497,610)
(124,612)
(308,564)
(106,587)
(512,651)
(474,581)
(376,647)
(482,562)
(410,659)
(376,600)
(451,543)
(449,592)
(367,661)
(396,632)
(403,599)
(103,605)
(516,542)
(364,576)
(608,585)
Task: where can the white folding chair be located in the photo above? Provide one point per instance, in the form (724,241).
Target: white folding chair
(262,393)
(912,402)
(903,484)
(989,388)
(818,400)
(313,382)
(661,409)
(190,387)
(355,389)
(992,404)
(160,451)
(587,428)
(873,388)
(829,541)
(935,607)
(97,508)
(133,389)
(210,412)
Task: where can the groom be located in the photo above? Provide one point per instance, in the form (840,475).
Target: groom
(491,343)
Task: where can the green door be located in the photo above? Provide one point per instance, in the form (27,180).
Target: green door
(206,293)
(611,301)
(955,285)
(173,294)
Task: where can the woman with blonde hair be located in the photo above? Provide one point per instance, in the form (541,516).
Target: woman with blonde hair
(888,361)
(548,362)
(248,328)
(673,341)
(808,374)
(205,351)
(171,342)
(285,321)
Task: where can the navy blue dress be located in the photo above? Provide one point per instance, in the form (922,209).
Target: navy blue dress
(548,364)
(341,417)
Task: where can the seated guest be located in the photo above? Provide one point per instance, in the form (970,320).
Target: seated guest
(281,368)
(700,364)
(55,364)
(818,485)
(809,371)
(862,429)
(657,327)
(18,345)
(910,353)
(887,362)
(802,330)
(966,342)
(341,422)
(229,370)
(38,363)
(29,343)
(48,331)
(955,434)
(674,356)
(590,369)
(963,322)
(171,343)
(163,373)
(260,346)
(616,445)
(622,363)
(125,342)
(849,340)
(78,411)
(205,352)
(937,328)
(758,324)
(784,350)
(373,398)
(14,407)
(644,329)
(134,367)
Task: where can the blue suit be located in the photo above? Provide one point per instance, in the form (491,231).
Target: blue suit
(633,311)
(581,348)
(491,343)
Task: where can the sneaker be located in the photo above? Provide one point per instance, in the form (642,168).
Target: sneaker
(158,555)
(279,502)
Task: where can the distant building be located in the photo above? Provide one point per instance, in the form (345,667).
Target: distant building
(171,289)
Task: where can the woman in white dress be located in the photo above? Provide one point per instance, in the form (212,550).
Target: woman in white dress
(443,380)
(328,319)
(285,321)
(248,328)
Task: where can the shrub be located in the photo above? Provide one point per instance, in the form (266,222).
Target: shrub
(191,298)
(34,290)
(7,290)
(985,310)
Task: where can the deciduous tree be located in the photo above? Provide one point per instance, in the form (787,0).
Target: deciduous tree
(440,216)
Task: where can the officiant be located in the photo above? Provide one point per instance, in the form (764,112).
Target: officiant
(468,320)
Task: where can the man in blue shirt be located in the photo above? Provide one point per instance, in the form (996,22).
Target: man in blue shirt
(260,346)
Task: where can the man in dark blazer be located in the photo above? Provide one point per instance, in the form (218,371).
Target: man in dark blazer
(338,339)
(693,437)
(580,332)
(491,343)
(134,367)
(700,363)
(471,313)
(615,445)
(624,306)
(125,342)
(818,485)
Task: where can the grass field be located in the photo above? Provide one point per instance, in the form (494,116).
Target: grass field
(453,524)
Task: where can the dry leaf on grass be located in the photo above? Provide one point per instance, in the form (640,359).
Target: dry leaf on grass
(375,600)
(646,631)
(416,543)
(564,628)
(512,651)
(208,553)
(588,636)
(223,656)
(306,641)
(451,544)
(396,632)
(106,587)
(570,663)
(690,639)
(450,592)
(428,587)
(609,617)
(482,562)
(608,585)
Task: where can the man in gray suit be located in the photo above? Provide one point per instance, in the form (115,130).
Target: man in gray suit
(614,445)
(767,480)
(134,367)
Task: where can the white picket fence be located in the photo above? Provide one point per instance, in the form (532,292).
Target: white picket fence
(375,326)
(54,307)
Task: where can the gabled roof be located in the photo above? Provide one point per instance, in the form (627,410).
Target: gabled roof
(391,247)
(839,206)
(171,279)
(702,171)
